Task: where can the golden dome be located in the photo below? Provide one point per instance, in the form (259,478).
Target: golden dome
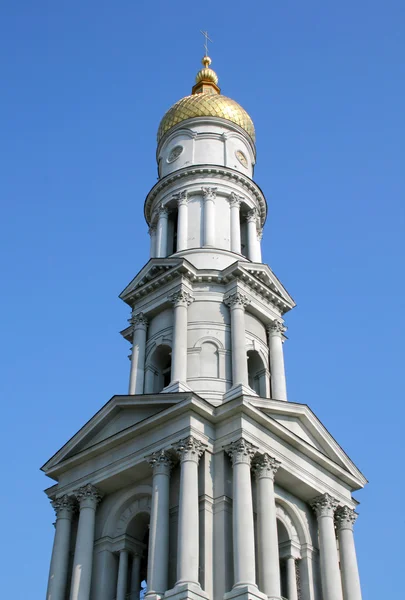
(206,101)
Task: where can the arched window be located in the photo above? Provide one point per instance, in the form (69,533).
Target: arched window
(158,370)
(135,545)
(257,373)
(209,363)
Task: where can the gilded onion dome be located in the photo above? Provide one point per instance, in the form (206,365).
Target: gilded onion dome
(206,100)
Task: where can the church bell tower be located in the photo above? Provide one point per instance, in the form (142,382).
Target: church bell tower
(204,482)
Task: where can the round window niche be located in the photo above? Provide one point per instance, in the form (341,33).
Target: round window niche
(241,158)
(174,153)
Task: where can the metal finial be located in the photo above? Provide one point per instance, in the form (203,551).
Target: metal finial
(207,39)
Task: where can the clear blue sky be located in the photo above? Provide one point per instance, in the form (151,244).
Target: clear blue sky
(84,85)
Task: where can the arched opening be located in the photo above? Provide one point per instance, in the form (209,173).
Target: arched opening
(283,539)
(134,544)
(172,231)
(158,370)
(257,373)
(209,360)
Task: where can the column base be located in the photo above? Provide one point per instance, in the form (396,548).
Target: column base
(153,596)
(186,591)
(176,386)
(246,592)
(239,390)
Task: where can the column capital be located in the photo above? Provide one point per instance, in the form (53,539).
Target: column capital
(138,320)
(241,451)
(88,496)
(324,505)
(265,466)
(181,197)
(276,328)
(345,518)
(252,216)
(64,506)
(237,300)
(163,211)
(189,449)
(181,298)
(235,200)
(209,193)
(161,462)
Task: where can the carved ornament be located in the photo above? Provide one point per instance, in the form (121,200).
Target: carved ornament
(88,496)
(64,506)
(265,466)
(161,462)
(189,448)
(345,518)
(237,300)
(241,451)
(181,298)
(324,506)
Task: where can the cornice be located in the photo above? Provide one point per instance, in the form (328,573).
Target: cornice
(225,173)
(160,275)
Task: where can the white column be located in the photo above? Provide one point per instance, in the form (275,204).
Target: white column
(235,202)
(268,557)
(64,509)
(259,245)
(237,303)
(292,591)
(122,575)
(277,370)
(182,220)
(241,453)
(345,519)
(181,301)
(152,233)
(161,236)
(189,451)
(209,195)
(158,557)
(253,243)
(139,324)
(136,576)
(324,507)
(88,497)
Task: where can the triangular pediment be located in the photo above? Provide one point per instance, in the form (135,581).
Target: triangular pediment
(299,420)
(118,415)
(156,268)
(262,280)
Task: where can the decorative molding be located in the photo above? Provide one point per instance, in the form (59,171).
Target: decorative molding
(142,504)
(181,298)
(224,173)
(241,451)
(161,462)
(276,328)
(345,518)
(209,193)
(64,507)
(138,320)
(190,448)
(152,230)
(237,300)
(252,215)
(88,496)
(265,466)
(181,198)
(325,505)
(163,212)
(235,200)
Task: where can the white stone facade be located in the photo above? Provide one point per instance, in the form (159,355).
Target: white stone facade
(204,481)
